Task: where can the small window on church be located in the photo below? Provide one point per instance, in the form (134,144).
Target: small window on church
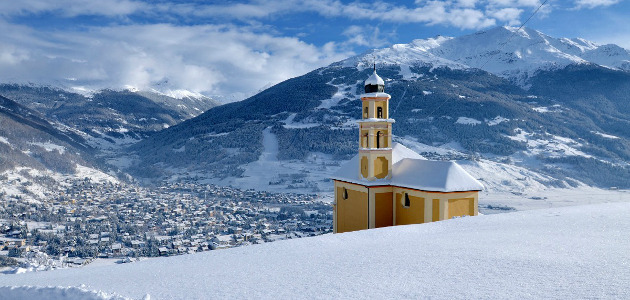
(344,195)
(379,112)
(365,112)
(405,200)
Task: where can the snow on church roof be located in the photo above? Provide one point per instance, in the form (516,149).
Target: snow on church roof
(432,175)
(374,79)
(411,170)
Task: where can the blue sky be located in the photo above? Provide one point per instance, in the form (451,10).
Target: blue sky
(231,49)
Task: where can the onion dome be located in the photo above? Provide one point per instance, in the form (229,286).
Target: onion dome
(374,84)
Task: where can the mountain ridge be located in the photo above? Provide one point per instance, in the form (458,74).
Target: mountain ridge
(504,51)
(480,114)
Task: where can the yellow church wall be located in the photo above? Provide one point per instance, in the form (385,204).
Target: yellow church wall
(384,215)
(437,205)
(378,163)
(372,104)
(379,206)
(372,130)
(365,136)
(381,167)
(461,207)
(435,216)
(350,214)
(414,214)
(383,138)
(448,205)
(383,106)
(364,167)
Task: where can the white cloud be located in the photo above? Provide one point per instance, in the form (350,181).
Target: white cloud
(467,3)
(594,3)
(211,59)
(509,15)
(428,12)
(463,14)
(369,36)
(514,3)
(71,8)
(11,56)
(470,18)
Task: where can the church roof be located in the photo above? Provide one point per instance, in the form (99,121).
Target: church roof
(432,175)
(374,79)
(410,170)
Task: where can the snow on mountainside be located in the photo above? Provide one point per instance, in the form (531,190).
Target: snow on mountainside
(504,51)
(559,253)
(292,136)
(557,133)
(109,119)
(57,136)
(36,158)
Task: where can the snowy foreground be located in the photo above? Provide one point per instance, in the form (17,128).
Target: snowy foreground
(568,252)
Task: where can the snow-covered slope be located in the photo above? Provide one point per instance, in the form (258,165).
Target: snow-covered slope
(309,124)
(36,157)
(504,51)
(109,118)
(55,293)
(563,253)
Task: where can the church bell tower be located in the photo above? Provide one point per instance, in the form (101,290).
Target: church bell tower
(375,130)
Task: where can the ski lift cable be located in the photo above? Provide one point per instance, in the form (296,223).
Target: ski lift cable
(402,98)
(501,48)
(514,33)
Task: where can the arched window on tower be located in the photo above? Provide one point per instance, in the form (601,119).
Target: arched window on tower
(365,113)
(379,112)
(378,139)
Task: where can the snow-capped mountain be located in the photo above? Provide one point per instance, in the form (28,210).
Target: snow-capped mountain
(504,51)
(566,129)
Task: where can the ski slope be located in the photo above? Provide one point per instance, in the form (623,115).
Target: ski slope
(562,253)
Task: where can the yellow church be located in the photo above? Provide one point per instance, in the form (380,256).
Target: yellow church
(387,184)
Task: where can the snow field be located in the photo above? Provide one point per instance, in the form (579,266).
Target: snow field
(467,121)
(55,293)
(562,253)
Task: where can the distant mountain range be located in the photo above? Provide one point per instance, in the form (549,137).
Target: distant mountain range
(519,109)
(49,134)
